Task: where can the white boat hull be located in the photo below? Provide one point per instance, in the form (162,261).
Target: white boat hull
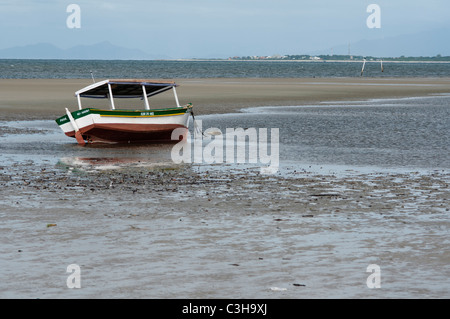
(122,126)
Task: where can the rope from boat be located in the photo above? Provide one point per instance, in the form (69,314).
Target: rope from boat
(196,128)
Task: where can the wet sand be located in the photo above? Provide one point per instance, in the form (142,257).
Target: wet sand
(141,230)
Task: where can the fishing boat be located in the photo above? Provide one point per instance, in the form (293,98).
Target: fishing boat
(114,125)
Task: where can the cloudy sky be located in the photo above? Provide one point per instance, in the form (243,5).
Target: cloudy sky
(216,28)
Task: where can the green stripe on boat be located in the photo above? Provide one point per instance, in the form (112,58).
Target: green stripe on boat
(124,113)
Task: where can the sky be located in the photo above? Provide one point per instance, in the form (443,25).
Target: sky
(216,28)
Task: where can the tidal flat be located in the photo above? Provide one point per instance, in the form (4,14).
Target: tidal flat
(140,226)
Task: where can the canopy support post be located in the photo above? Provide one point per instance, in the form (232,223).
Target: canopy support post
(147,106)
(111,98)
(79,101)
(176,96)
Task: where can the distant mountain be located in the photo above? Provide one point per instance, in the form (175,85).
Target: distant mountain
(105,50)
(426,43)
(98,51)
(40,50)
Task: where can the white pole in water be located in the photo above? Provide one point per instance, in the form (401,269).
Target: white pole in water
(364,64)
(111,99)
(382,69)
(147,106)
(79,101)
(176,97)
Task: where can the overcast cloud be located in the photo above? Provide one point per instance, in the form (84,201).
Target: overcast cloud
(207,28)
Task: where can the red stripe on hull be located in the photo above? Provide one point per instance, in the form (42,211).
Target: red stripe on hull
(128,133)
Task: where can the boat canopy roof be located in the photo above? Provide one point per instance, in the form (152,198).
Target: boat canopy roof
(124,88)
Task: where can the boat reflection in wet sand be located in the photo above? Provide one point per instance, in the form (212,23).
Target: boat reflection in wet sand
(90,125)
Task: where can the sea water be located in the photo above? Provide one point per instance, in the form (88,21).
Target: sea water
(385,133)
(63,69)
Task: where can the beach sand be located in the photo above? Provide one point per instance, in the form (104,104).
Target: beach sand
(46,99)
(138,230)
